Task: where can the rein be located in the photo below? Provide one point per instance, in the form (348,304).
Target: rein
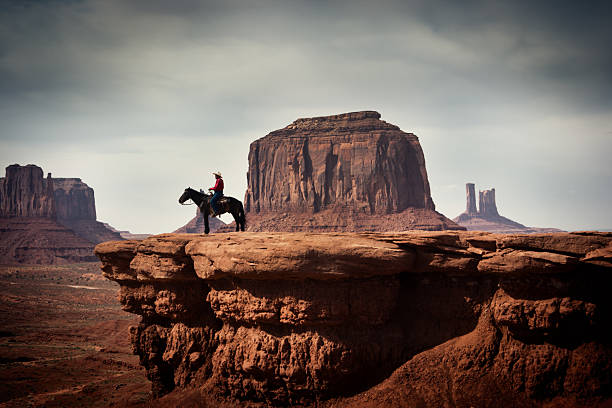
(192,202)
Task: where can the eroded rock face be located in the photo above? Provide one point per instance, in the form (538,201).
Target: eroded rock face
(352,165)
(297,318)
(76,209)
(25,193)
(74,199)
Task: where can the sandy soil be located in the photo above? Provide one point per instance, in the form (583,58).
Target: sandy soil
(64,341)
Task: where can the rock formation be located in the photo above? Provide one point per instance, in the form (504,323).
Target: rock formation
(76,209)
(25,193)
(41,241)
(348,172)
(74,199)
(470,207)
(486,203)
(353,320)
(47,220)
(486,218)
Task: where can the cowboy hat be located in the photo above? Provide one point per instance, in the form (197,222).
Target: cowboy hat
(217,173)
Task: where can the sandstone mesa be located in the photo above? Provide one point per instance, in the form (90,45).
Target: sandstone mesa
(346,172)
(47,220)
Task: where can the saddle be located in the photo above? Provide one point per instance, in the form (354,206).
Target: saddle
(222,204)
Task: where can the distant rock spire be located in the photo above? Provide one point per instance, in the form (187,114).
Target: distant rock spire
(50,197)
(471,199)
(486,203)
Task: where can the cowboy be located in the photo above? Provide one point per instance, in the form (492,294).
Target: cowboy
(218,189)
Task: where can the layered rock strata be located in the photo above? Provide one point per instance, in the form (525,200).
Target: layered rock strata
(41,241)
(487,218)
(433,318)
(344,172)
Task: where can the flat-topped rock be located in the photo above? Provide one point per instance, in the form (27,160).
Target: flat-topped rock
(351,255)
(347,172)
(47,220)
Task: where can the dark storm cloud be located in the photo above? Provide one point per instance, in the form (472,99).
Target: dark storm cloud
(567,42)
(54,45)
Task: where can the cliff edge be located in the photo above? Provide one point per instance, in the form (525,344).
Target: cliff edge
(446,318)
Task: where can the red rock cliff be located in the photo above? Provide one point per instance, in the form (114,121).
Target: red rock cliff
(325,170)
(405,319)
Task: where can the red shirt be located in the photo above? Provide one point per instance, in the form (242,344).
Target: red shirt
(218,186)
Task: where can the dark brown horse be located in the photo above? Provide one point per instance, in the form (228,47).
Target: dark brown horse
(225,205)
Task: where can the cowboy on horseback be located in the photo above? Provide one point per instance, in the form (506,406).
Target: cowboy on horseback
(229,205)
(218,193)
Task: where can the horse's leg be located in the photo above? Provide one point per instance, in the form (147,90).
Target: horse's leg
(236,220)
(206,227)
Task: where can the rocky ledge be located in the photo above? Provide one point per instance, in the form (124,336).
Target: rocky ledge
(400,319)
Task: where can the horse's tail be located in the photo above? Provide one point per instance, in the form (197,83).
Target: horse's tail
(241,215)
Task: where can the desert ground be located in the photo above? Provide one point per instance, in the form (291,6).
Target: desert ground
(64,340)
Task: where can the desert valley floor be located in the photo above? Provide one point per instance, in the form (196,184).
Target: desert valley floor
(64,340)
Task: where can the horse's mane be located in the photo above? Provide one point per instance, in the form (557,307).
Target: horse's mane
(191,190)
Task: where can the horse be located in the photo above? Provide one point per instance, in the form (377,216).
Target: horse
(225,205)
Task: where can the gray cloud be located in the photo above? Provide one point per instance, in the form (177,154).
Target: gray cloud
(492,88)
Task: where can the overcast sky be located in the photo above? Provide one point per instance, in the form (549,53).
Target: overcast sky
(141,99)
